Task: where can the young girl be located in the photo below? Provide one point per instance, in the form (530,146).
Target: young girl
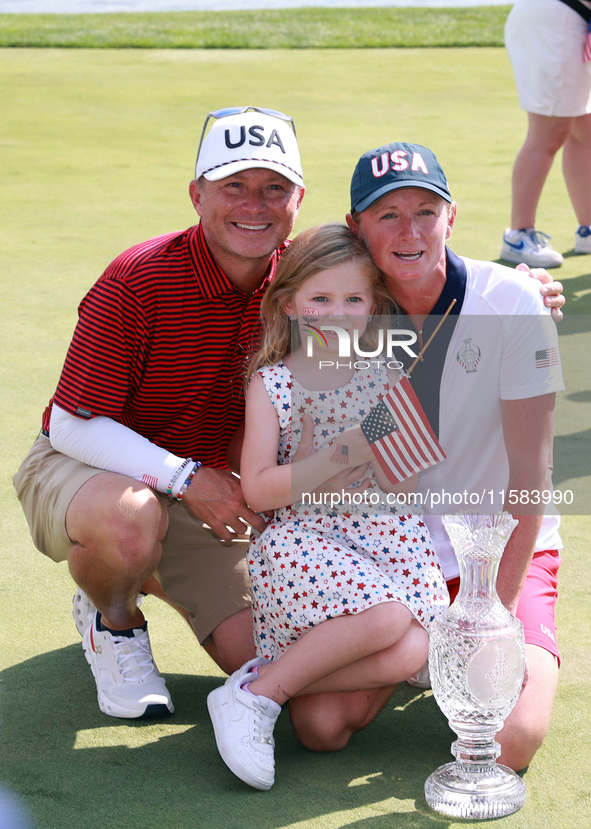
(342,594)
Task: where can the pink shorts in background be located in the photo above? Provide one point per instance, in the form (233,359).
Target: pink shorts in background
(536,608)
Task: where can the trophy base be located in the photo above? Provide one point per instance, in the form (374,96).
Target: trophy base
(466,792)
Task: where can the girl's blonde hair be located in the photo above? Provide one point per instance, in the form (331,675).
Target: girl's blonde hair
(314,250)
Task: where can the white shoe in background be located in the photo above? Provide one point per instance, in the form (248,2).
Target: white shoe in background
(530,246)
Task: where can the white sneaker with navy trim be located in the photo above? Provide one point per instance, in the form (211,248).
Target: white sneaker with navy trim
(128,682)
(83,611)
(531,247)
(243,724)
(583,240)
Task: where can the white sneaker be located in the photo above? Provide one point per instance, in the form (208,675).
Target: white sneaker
(583,239)
(128,682)
(530,246)
(246,669)
(422,678)
(243,725)
(83,610)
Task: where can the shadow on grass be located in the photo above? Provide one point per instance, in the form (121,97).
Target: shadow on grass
(571,460)
(76,767)
(577,292)
(572,443)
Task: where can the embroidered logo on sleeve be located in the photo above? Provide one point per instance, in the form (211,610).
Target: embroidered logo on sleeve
(547,357)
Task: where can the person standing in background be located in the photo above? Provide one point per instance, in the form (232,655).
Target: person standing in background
(548,48)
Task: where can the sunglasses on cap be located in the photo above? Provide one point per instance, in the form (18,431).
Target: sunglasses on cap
(225,113)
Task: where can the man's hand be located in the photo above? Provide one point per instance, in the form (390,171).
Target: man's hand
(550,290)
(215,497)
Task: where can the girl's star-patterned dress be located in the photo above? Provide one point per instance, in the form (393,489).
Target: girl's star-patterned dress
(313,562)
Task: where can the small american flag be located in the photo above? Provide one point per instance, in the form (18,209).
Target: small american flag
(587,52)
(400,435)
(340,454)
(546,357)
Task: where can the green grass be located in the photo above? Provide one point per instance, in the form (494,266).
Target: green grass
(281,29)
(97,152)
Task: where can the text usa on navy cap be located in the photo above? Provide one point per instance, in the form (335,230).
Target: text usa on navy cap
(394,167)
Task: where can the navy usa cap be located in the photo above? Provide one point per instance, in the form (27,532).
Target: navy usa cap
(393,167)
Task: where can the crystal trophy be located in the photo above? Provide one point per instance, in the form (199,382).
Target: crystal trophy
(476,663)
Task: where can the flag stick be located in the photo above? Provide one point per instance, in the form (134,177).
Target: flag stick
(430,340)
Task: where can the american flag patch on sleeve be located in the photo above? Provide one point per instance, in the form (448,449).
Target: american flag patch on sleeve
(547,357)
(400,435)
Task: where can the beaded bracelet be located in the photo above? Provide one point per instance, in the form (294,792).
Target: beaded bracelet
(176,476)
(185,486)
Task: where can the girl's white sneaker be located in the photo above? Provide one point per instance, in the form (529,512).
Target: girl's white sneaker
(243,725)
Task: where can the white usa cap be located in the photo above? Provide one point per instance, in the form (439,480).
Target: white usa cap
(242,138)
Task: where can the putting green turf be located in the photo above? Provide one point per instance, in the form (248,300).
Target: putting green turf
(97,151)
(318,28)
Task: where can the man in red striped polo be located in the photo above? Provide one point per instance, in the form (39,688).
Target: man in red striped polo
(130,477)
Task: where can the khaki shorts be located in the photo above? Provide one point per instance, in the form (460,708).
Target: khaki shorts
(206,576)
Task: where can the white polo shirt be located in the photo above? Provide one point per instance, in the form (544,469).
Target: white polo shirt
(504,347)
